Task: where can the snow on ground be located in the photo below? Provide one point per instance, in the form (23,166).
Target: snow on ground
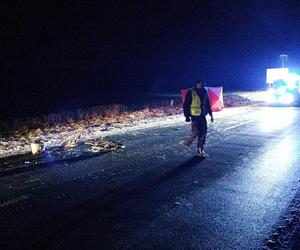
(70,134)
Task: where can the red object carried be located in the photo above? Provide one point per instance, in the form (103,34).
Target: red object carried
(183,94)
(215,96)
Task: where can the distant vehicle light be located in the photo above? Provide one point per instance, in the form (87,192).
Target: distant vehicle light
(291,85)
(271,99)
(271,91)
(292,80)
(276,73)
(270,96)
(287,98)
(281,90)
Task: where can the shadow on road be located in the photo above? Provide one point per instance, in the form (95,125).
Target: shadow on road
(179,169)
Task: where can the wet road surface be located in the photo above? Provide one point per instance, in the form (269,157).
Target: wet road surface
(152,195)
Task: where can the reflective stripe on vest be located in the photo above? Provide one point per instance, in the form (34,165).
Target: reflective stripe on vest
(196,104)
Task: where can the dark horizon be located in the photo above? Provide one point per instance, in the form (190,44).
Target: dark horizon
(57,54)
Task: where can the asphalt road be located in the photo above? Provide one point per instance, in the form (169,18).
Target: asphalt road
(152,195)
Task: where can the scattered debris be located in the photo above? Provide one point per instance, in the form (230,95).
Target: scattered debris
(69,133)
(177,203)
(271,243)
(163,157)
(189,205)
(35,148)
(103,146)
(71,141)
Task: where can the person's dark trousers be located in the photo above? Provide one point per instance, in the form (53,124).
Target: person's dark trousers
(199,129)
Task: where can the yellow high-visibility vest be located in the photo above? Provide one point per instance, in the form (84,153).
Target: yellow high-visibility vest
(196,104)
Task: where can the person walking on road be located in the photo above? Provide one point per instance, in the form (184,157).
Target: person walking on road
(195,107)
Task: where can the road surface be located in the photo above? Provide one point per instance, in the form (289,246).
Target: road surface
(152,195)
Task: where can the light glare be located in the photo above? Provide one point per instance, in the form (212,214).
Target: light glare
(287,98)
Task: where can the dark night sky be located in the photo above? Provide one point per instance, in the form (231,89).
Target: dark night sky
(61,53)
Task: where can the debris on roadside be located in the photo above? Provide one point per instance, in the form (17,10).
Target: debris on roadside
(69,152)
(35,148)
(71,141)
(69,130)
(103,146)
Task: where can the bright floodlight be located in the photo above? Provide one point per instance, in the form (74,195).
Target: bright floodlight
(287,98)
(270,98)
(292,81)
(276,74)
(281,90)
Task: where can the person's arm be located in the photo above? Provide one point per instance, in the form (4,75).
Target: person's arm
(209,111)
(187,105)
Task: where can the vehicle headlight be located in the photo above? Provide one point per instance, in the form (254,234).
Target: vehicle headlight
(270,95)
(281,90)
(287,98)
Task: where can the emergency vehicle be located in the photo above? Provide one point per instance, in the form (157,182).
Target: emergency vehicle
(283,86)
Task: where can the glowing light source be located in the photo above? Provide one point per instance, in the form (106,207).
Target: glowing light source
(281,90)
(276,74)
(274,119)
(286,98)
(270,96)
(292,81)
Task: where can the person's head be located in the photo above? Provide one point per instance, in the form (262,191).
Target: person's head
(199,84)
